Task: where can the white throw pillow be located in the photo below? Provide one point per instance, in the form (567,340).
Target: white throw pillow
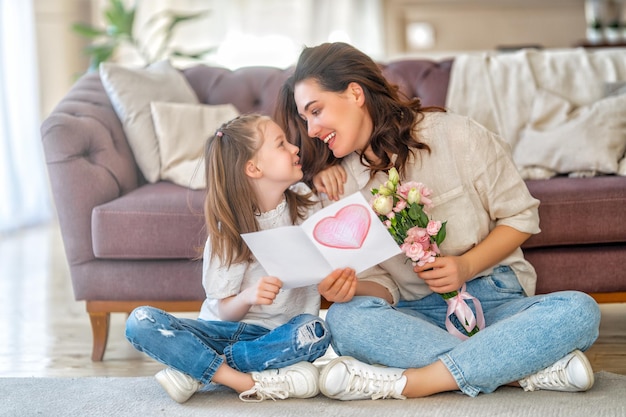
(131,90)
(568,140)
(182,131)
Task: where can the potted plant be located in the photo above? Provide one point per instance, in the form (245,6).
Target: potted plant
(594,32)
(120,31)
(612,32)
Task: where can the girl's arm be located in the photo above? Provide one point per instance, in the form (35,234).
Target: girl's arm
(449,273)
(330,181)
(235,308)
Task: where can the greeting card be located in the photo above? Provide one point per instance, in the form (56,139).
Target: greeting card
(346,233)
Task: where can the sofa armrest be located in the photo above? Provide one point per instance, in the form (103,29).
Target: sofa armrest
(89,161)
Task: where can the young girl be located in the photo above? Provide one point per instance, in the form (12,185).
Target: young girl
(250,335)
(338,102)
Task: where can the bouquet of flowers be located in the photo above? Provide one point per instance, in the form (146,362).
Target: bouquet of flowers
(402,207)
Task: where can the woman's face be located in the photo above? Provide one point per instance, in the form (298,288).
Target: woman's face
(340,120)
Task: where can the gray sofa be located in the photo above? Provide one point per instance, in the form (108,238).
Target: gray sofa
(129,242)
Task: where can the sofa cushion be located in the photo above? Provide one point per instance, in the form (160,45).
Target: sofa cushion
(564,138)
(131,90)
(182,130)
(155,221)
(579,211)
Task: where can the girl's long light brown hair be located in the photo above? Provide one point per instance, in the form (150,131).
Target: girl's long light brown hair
(230,205)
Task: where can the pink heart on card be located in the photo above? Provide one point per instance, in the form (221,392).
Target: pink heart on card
(346,230)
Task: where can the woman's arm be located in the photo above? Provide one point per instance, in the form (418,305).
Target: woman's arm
(449,273)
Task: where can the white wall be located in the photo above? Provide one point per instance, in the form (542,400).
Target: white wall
(466,25)
(59,49)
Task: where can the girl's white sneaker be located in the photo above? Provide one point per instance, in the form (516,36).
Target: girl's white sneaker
(178,385)
(300,380)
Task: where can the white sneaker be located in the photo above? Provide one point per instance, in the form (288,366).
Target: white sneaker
(300,380)
(572,373)
(178,385)
(345,378)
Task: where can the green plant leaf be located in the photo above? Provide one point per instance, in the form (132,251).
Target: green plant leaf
(120,20)
(441,235)
(87,31)
(99,53)
(180,18)
(192,55)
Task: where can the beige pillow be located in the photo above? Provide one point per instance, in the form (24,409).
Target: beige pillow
(569,140)
(182,131)
(131,90)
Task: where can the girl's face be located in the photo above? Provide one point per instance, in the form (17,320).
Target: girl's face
(278,159)
(340,120)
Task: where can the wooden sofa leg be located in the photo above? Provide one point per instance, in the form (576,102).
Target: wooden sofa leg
(100,328)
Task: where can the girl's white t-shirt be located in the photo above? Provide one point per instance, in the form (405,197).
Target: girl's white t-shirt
(220,282)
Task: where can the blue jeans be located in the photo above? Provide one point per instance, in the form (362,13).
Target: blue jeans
(199,347)
(523,334)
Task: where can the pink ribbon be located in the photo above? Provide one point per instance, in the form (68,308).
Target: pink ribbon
(457,305)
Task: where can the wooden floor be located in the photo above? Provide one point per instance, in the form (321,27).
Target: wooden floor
(45,332)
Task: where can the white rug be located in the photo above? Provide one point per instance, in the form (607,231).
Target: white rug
(143,397)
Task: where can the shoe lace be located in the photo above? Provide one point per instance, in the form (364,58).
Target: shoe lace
(270,387)
(377,386)
(553,377)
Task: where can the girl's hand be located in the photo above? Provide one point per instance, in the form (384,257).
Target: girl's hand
(339,286)
(446,274)
(265,291)
(330,181)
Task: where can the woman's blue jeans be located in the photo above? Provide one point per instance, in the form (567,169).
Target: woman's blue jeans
(199,347)
(523,334)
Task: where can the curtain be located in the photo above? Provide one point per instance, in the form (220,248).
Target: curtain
(269,32)
(24,193)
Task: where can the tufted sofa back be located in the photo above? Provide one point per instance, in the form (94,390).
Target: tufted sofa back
(255,89)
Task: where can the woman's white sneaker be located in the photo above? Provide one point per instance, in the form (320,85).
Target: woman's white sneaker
(300,380)
(345,378)
(178,385)
(572,373)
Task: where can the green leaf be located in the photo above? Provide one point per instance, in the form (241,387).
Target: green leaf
(414,211)
(119,19)
(100,52)
(192,55)
(87,31)
(441,235)
(180,18)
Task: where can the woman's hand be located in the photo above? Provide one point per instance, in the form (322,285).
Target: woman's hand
(449,273)
(445,274)
(330,181)
(339,286)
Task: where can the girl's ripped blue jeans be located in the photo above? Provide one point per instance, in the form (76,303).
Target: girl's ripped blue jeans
(523,334)
(199,347)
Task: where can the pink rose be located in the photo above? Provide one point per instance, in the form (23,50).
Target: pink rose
(415,251)
(400,205)
(433,227)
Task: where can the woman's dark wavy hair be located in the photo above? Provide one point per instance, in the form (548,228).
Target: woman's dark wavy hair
(334,66)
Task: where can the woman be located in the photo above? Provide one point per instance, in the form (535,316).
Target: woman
(338,106)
